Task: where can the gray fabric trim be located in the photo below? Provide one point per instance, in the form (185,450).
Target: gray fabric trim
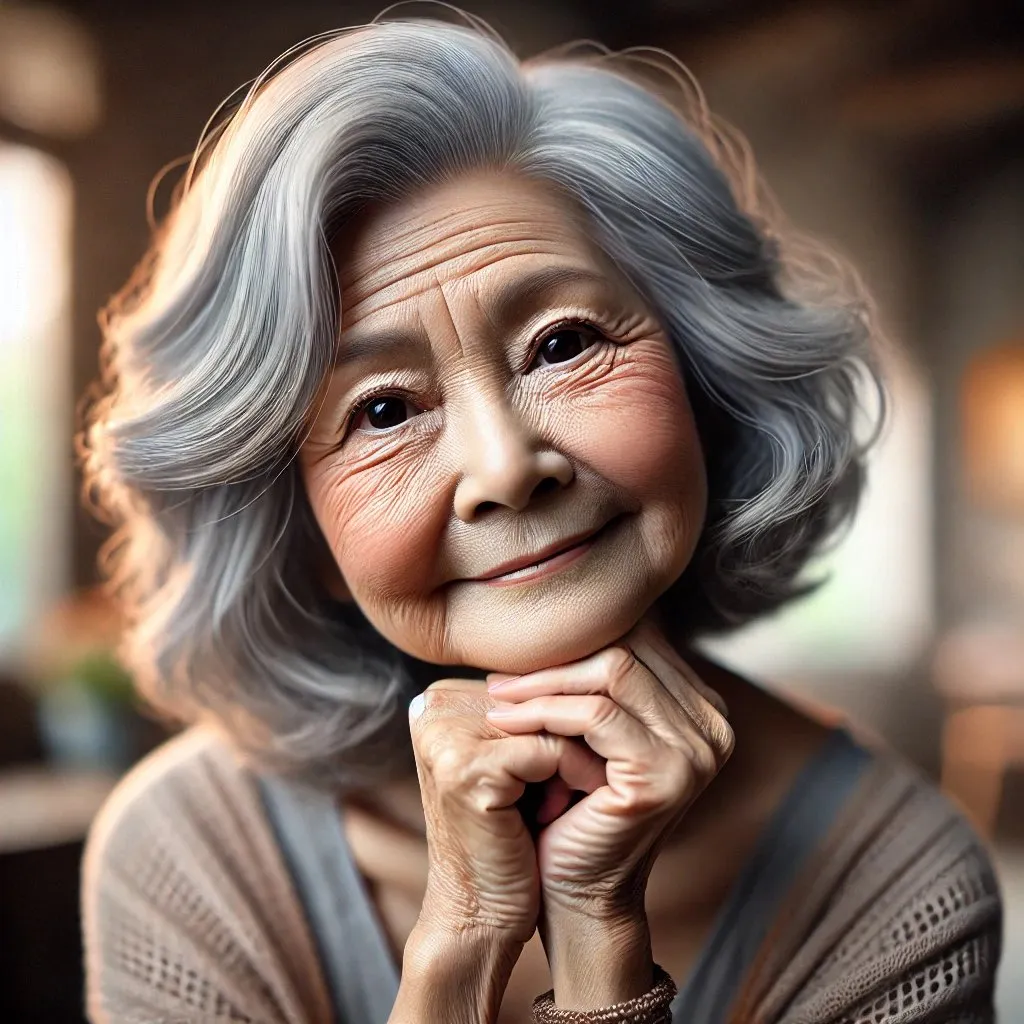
(354,955)
(358,964)
(801,821)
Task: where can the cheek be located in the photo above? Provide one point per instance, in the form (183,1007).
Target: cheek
(637,429)
(379,515)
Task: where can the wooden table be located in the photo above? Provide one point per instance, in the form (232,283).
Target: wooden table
(42,807)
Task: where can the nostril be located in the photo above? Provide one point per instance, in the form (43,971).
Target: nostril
(516,498)
(546,486)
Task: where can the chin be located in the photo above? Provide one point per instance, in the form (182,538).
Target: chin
(529,644)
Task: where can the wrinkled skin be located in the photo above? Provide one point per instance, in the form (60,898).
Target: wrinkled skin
(521,394)
(501,450)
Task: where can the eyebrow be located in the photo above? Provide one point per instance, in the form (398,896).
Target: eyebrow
(513,299)
(524,292)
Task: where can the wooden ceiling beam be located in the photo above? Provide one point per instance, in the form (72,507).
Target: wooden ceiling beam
(938,97)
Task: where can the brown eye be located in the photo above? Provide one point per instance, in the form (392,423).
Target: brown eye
(383,412)
(566,343)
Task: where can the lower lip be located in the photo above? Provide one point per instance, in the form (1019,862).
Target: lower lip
(548,566)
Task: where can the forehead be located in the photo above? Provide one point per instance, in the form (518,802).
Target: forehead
(488,225)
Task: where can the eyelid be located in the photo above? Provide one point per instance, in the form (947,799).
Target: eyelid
(614,330)
(553,328)
(362,400)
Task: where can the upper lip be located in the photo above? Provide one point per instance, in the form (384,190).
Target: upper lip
(539,556)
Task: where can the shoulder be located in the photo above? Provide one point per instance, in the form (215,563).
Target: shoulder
(910,921)
(188,788)
(184,829)
(188,909)
(911,827)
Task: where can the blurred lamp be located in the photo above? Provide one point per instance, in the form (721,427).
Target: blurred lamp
(992,411)
(49,73)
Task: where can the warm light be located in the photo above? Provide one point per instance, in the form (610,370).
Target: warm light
(33,241)
(992,409)
(49,80)
(875,613)
(35,400)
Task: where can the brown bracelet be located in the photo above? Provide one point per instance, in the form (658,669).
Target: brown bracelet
(653,1007)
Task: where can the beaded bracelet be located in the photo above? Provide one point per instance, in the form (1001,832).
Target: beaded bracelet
(653,1007)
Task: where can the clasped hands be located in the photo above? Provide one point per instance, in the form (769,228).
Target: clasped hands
(634,729)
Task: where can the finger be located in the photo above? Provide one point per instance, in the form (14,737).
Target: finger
(704,706)
(499,677)
(607,728)
(538,758)
(457,686)
(614,672)
(557,798)
(461,700)
(648,634)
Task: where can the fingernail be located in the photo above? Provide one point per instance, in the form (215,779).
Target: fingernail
(416,705)
(501,712)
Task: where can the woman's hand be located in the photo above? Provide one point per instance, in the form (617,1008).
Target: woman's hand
(664,737)
(483,887)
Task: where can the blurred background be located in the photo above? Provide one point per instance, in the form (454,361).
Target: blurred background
(892,130)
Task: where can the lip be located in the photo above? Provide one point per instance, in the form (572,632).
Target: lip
(564,550)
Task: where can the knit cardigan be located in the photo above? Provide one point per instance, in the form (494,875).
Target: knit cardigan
(190,914)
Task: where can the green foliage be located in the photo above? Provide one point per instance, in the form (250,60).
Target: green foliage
(99,673)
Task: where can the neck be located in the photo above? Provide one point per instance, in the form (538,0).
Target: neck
(397,805)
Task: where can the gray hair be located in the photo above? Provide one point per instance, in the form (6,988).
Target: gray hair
(216,350)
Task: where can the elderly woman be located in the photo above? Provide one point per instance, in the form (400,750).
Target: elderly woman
(458,399)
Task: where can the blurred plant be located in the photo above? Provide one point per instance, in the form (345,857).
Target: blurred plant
(101,674)
(76,642)
(86,705)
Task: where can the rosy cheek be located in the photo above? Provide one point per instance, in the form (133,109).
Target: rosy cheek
(636,428)
(382,522)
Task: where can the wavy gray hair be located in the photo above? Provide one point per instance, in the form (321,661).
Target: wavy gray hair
(216,350)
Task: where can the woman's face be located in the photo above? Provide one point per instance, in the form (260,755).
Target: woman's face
(505,466)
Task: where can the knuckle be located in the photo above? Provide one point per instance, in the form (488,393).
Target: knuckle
(602,710)
(484,795)
(705,758)
(616,664)
(645,796)
(682,776)
(723,739)
(450,765)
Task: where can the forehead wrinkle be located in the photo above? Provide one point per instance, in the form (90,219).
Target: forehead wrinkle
(351,315)
(436,231)
(392,268)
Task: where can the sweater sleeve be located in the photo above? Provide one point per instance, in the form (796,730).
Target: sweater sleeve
(924,947)
(957,982)
(954,986)
(188,912)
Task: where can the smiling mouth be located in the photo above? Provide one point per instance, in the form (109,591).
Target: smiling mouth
(549,563)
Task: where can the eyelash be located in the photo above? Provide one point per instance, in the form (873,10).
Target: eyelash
(363,401)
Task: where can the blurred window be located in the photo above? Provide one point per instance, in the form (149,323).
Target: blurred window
(35,389)
(875,613)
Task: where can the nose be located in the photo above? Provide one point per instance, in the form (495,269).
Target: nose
(504,464)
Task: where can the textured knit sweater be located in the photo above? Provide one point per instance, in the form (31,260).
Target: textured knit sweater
(191,913)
